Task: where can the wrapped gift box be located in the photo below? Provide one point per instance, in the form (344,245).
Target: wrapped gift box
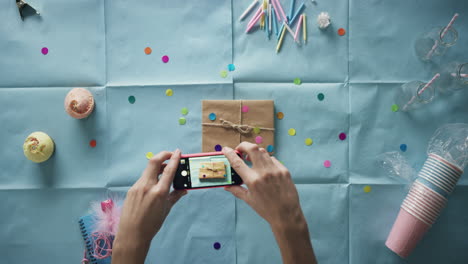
(230,122)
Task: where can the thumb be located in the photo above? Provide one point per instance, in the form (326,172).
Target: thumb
(238,191)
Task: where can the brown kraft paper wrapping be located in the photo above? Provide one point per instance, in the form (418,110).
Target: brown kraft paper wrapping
(260,114)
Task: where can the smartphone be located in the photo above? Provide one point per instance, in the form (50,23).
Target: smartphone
(205,170)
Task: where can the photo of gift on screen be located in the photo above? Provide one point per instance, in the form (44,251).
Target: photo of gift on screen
(210,171)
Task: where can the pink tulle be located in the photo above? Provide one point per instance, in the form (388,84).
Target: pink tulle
(106,216)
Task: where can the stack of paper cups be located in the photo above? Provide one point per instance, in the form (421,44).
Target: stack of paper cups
(423,204)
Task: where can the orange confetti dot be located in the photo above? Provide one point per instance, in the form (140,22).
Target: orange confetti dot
(341,31)
(280,115)
(148,50)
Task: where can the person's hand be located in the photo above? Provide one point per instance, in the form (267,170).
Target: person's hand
(271,191)
(146,206)
(273,195)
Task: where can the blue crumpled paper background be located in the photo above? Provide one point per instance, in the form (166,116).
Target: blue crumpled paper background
(99,45)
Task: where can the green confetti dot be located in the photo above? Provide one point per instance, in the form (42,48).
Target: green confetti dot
(320,96)
(395,108)
(256,130)
(297,81)
(182,121)
(131,99)
(184,111)
(223,74)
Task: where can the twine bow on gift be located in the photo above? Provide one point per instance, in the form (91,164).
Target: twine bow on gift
(243,129)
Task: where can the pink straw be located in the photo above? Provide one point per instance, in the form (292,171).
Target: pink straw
(278,17)
(429,83)
(421,91)
(298,27)
(464,75)
(278,4)
(434,47)
(250,26)
(449,25)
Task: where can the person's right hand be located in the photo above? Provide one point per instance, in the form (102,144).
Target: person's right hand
(273,195)
(271,191)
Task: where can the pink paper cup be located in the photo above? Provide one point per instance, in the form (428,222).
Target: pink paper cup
(428,192)
(427,198)
(423,203)
(418,210)
(406,232)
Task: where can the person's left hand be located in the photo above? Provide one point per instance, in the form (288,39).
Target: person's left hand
(147,204)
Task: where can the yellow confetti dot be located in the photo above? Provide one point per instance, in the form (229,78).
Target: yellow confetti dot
(292,132)
(169,92)
(256,130)
(280,115)
(367,189)
(149,155)
(308,141)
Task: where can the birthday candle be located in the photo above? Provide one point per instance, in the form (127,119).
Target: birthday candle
(280,41)
(247,11)
(258,13)
(298,28)
(281,30)
(275,24)
(289,29)
(293,19)
(269,20)
(275,7)
(256,19)
(291,9)
(304,28)
(262,21)
(278,5)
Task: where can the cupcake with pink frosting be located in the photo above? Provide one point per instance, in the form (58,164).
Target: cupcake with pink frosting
(79,103)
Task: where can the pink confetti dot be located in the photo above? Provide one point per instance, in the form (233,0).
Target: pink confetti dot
(245,109)
(327,164)
(45,50)
(342,136)
(258,140)
(165,59)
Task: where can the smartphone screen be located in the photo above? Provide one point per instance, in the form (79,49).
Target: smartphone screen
(204,172)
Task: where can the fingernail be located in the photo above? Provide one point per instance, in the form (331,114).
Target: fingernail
(177,151)
(227,149)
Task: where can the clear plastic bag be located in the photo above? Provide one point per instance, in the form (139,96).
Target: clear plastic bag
(397,167)
(451,143)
